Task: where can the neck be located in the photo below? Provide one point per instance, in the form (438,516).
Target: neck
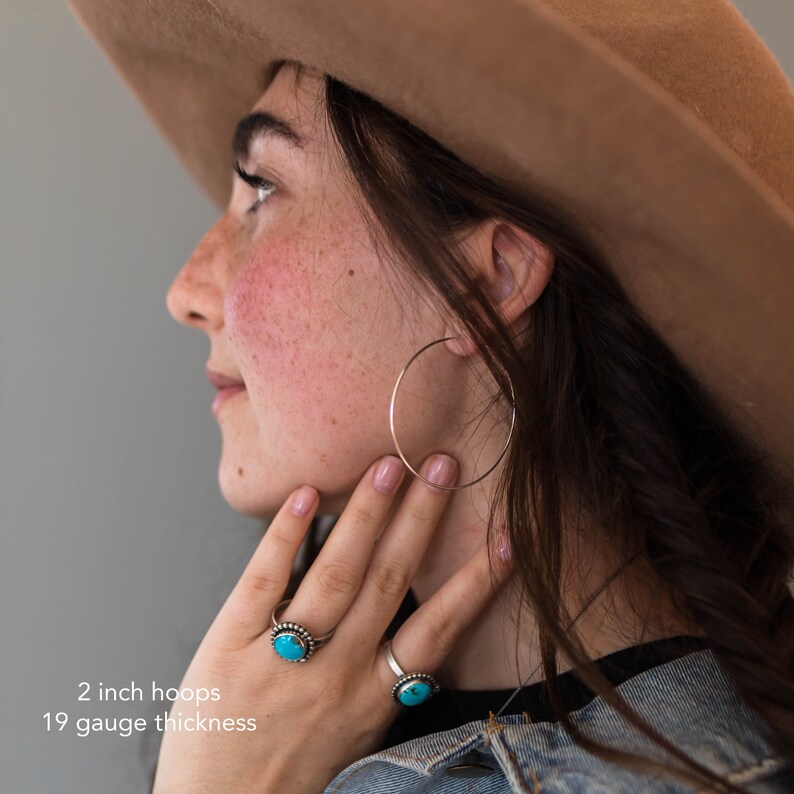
(498,652)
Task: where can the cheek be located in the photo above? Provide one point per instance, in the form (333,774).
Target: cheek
(308,330)
(270,327)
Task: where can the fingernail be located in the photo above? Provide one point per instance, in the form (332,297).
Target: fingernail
(440,470)
(303,501)
(387,474)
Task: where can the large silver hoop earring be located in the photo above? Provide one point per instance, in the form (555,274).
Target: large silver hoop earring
(397,443)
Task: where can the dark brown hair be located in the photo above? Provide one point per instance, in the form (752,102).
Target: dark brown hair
(608,420)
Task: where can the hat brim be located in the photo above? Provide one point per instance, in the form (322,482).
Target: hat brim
(702,244)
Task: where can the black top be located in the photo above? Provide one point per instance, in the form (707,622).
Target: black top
(450,708)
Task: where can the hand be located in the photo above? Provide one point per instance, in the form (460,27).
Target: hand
(315,718)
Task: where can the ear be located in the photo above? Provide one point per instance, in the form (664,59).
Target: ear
(515,266)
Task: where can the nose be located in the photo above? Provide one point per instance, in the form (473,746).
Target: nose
(195,297)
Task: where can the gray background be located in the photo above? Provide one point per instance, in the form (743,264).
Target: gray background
(117,547)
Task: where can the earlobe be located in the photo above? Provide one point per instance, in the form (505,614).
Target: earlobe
(461,345)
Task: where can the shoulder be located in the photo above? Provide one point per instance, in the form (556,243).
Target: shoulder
(689,700)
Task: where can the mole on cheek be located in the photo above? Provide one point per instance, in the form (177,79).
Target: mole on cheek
(350,272)
(240,471)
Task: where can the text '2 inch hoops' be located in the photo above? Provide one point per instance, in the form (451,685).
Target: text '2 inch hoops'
(397,443)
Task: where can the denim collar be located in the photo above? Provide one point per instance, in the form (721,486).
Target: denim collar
(690,700)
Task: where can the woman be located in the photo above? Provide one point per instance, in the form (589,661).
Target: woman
(373,301)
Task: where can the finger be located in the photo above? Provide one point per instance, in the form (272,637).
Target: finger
(400,549)
(249,606)
(429,635)
(332,582)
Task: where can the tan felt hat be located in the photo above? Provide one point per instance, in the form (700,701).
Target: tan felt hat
(667,128)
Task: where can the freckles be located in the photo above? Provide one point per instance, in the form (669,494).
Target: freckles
(265,304)
(300,312)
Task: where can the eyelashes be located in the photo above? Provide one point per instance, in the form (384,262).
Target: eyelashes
(264,187)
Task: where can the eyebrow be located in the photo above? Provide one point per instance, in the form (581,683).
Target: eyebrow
(258,124)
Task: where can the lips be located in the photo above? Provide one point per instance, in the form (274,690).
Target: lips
(228,386)
(222,381)
(224,395)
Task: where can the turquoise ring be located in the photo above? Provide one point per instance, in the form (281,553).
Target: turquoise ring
(410,689)
(291,641)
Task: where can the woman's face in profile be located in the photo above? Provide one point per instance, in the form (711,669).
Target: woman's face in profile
(298,306)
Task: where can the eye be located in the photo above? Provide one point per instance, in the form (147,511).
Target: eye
(264,187)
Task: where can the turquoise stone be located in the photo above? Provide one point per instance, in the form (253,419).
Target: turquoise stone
(289,647)
(415,693)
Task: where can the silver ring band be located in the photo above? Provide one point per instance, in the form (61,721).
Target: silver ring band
(396,669)
(410,689)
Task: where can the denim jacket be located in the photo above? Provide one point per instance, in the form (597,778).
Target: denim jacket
(690,700)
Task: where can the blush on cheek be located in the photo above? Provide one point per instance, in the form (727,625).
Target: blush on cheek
(316,347)
(280,332)
(266,307)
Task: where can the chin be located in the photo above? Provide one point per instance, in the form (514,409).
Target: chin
(258,502)
(251,494)
(249,504)
(258,486)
